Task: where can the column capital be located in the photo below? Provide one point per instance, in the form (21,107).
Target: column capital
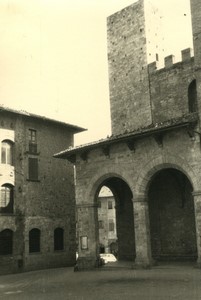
(86,205)
(196,193)
(140,198)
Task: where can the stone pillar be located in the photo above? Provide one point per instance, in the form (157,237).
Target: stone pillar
(142,233)
(197,204)
(87,235)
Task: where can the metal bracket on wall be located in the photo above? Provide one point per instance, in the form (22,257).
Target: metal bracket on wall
(72,158)
(84,155)
(192,136)
(106,151)
(159,139)
(131,145)
(191,133)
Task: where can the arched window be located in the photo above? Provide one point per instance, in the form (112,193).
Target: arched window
(58,239)
(6,242)
(192,97)
(7,152)
(34,240)
(6,198)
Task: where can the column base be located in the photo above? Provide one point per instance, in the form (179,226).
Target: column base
(198,263)
(87,263)
(146,264)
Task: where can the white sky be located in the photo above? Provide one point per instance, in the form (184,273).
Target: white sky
(53,57)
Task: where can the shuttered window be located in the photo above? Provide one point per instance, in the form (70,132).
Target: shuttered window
(33,168)
(111,225)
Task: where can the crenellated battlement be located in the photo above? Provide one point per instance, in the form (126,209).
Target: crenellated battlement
(169,61)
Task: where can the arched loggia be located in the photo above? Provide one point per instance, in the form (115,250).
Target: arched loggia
(171,215)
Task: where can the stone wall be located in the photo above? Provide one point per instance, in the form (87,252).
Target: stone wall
(136,169)
(47,203)
(169,87)
(128,76)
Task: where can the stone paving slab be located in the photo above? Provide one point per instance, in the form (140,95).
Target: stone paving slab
(162,282)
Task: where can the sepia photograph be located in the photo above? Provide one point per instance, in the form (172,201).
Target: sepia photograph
(100,165)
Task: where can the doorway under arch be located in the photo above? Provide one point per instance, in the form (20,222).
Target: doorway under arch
(124,218)
(172,217)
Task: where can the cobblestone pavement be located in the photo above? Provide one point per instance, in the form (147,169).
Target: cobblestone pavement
(175,281)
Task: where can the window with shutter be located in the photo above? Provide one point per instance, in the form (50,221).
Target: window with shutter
(33,168)
(32,141)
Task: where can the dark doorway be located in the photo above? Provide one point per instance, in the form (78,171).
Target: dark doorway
(172,219)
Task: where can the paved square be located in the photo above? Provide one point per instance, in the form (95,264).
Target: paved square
(175,281)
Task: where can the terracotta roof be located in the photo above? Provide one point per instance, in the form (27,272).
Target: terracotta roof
(153,129)
(24,113)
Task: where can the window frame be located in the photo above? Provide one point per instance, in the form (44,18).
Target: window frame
(9,207)
(33,169)
(58,239)
(34,241)
(6,242)
(32,141)
(7,151)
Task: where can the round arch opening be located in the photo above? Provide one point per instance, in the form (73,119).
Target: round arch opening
(115,219)
(172,217)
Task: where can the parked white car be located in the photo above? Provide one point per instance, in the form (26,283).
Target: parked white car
(108,257)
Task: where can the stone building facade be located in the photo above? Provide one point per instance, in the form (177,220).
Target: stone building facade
(152,160)
(37,200)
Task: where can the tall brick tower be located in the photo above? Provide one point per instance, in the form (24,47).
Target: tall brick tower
(128,53)
(196,28)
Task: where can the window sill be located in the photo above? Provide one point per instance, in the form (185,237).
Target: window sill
(33,180)
(32,153)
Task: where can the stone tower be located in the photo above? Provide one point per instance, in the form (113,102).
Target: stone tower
(196,28)
(130,48)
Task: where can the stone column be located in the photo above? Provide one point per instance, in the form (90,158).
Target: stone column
(142,233)
(197,205)
(87,235)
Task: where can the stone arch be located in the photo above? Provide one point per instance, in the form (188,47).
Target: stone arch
(123,195)
(99,179)
(157,164)
(167,242)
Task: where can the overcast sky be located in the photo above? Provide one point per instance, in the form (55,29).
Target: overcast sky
(53,57)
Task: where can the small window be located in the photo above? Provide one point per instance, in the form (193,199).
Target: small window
(6,242)
(111,225)
(192,97)
(6,198)
(34,240)
(7,153)
(58,239)
(110,205)
(157,57)
(100,224)
(33,168)
(32,141)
